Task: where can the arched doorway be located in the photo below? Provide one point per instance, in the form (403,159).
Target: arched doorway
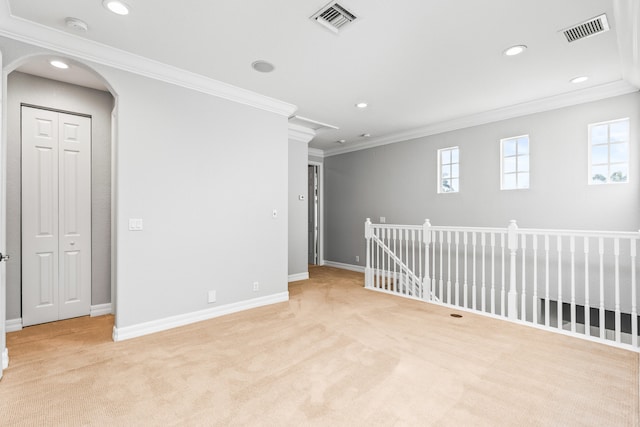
(31,82)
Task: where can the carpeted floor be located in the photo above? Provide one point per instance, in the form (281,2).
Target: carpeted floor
(334,355)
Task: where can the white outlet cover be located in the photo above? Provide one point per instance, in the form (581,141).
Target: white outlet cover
(211,296)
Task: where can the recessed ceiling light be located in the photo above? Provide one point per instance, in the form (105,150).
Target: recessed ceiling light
(580,79)
(341,141)
(59,64)
(362,105)
(117,7)
(365,135)
(515,50)
(76,24)
(263,66)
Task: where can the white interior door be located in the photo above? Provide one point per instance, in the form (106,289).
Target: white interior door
(56,216)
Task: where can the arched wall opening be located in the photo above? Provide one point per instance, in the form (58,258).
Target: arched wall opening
(30,81)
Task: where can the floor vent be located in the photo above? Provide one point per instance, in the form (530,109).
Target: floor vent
(333,16)
(589,28)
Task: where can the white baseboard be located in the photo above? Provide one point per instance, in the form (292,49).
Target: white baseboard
(100,310)
(5,358)
(146,328)
(299,276)
(13,325)
(351,267)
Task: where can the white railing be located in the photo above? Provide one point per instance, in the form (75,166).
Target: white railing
(580,283)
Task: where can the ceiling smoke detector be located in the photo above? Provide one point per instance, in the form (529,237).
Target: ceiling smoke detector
(333,16)
(76,24)
(588,28)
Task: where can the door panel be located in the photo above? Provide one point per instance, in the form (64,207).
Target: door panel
(75,215)
(56,211)
(39,216)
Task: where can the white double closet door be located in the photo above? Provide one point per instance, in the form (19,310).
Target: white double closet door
(56,215)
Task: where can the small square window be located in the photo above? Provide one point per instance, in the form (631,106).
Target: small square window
(514,155)
(449,170)
(609,153)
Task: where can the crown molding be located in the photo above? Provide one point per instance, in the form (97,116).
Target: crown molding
(83,49)
(316,152)
(582,96)
(300,133)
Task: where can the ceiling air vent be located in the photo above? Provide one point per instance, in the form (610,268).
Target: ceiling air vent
(333,16)
(589,28)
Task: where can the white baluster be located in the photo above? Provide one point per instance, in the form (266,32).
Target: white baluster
(559,303)
(587,307)
(395,264)
(466,291)
(512,241)
(493,273)
(503,307)
(473,284)
(441,282)
(434,235)
(367,270)
(483,297)
(413,264)
(457,285)
(523,295)
(536,304)
(602,312)
(448,267)
(634,296)
(616,254)
(572,249)
(547,304)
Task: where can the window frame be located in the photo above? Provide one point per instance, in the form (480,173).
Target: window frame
(517,170)
(439,180)
(590,145)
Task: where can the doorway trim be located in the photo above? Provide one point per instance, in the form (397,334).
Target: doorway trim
(6,70)
(320,166)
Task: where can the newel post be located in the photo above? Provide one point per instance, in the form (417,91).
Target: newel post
(426,280)
(512,245)
(368,232)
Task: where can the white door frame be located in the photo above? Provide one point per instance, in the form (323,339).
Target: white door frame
(4,363)
(320,210)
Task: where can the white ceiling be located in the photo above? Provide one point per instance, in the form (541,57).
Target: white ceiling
(417,63)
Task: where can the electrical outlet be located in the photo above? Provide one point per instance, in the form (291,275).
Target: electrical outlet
(357,258)
(211,296)
(256,286)
(383,220)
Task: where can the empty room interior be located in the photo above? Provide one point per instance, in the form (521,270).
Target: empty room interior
(309,213)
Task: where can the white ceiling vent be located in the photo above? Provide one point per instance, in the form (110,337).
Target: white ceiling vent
(333,16)
(589,28)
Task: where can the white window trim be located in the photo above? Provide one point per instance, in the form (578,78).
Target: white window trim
(502,163)
(439,177)
(589,164)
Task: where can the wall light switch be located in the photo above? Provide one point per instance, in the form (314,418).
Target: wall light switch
(383,220)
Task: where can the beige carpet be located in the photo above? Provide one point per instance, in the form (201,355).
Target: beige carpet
(334,355)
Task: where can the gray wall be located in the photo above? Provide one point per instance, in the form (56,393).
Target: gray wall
(24,88)
(298,209)
(204,174)
(398,181)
